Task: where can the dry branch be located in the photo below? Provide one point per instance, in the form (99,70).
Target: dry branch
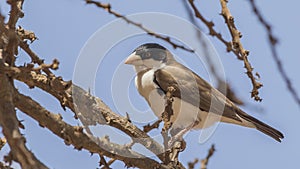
(223,86)
(15,13)
(107,7)
(210,26)
(3,166)
(149,127)
(8,120)
(166,116)
(3,141)
(193,163)
(235,46)
(9,123)
(273,42)
(74,135)
(91,110)
(243,53)
(204,162)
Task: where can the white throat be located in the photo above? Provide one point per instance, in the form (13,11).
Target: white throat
(139,68)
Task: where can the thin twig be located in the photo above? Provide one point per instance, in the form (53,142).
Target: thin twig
(210,26)
(103,163)
(110,162)
(149,127)
(2,142)
(204,162)
(273,42)
(192,164)
(166,117)
(223,86)
(74,135)
(230,46)
(10,128)
(243,53)
(15,13)
(107,7)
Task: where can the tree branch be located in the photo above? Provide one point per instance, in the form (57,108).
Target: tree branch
(167,39)
(204,162)
(15,13)
(273,42)
(223,86)
(243,53)
(9,124)
(74,135)
(3,141)
(235,46)
(210,26)
(91,110)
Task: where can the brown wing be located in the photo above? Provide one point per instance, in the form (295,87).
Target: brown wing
(196,91)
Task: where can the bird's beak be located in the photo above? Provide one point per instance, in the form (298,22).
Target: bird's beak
(133,59)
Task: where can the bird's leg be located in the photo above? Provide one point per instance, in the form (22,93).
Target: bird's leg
(179,136)
(177,147)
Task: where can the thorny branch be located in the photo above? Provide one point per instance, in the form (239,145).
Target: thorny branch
(149,127)
(9,123)
(243,53)
(204,162)
(273,42)
(3,166)
(192,164)
(57,87)
(171,150)
(235,46)
(2,142)
(223,86)
(90,110)
(107,7)
(210,26)
(166,118)
(104,163)
(74,135)
(9,43)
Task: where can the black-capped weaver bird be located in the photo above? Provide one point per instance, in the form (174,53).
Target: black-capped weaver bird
(194,98)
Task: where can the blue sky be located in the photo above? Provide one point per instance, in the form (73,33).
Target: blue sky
(64,27)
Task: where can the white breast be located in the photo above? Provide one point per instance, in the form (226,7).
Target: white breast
(185,114)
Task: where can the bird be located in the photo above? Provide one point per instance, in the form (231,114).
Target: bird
(194,99)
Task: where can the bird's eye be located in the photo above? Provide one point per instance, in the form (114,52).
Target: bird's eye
(147,55)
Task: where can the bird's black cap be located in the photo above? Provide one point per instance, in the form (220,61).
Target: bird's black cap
(148,46)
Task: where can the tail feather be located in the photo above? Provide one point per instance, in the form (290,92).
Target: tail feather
(266,129)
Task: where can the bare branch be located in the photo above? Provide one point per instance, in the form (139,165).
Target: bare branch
(149,127)
(193,163)
(104,163)
(166,117)
(110,162)
(204,162)
(3,166)
(235,46)
(34,57)
(210,26)
(91,110)
(26,34)
(223,86)
(2,142)
(9,123)
(15,13)
(74,135)
(8,120)
(107,7)
(243,53)
(273,42)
